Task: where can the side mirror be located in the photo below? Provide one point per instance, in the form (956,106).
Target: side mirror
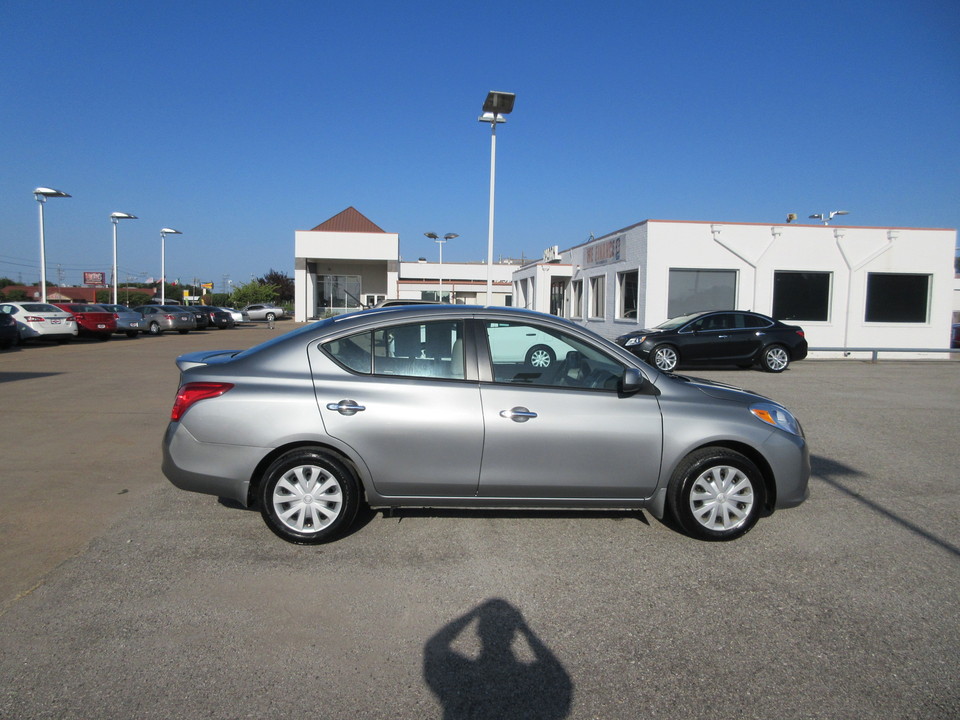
(632,380)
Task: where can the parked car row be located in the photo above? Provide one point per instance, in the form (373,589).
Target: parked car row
(21,322)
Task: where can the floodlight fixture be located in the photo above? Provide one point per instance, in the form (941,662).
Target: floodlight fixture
(495,107)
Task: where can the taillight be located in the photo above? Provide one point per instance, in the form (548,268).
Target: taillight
(169,317)
(193,392)
(116,316)
(33,318)
(800,333)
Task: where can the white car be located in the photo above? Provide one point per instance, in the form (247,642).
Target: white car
(239,316)
(37,320)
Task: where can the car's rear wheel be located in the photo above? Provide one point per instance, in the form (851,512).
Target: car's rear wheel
(308,497)
(716,494)
(775,359)
(665,357)
(540,356)
(154,328)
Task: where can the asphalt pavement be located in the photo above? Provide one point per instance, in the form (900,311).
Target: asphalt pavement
(122,597)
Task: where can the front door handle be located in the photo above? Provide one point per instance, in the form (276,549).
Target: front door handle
(517,414)
(346,407)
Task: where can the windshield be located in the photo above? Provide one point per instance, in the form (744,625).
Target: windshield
(674,323)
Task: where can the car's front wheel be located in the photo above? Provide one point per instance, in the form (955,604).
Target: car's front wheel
(154,328)
(308,497)
(271,317)
(665,357)
(775,359)
(716,494)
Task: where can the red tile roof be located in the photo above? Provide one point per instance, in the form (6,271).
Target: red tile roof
(351,221)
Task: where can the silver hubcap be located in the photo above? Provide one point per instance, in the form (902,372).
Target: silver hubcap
(777,358)
(540,358)
(307,499)
(721,498)
(665,359)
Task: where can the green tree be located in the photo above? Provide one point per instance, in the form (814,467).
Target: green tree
(283,283)
(15,295)
(7,282)
(253,292)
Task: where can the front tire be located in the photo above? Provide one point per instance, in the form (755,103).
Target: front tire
(155,329)
(716,494)
(308,497)
(271,317)
(775,359)
(665,357)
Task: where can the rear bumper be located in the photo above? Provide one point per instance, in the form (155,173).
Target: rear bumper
(221,470)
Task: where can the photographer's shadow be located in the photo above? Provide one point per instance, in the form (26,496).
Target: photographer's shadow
(505,671)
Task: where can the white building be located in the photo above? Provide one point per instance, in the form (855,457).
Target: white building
(849,287)
(348,262)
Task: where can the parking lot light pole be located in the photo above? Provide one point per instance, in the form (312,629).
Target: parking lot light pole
(495,107)
(41,194)
(440,241)
(115,218)
(163,267)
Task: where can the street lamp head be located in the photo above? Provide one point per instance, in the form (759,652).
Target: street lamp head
(432,235)
(45,192)
(839,212)
(122,216)
(170,231)
(499,103)
(450,236)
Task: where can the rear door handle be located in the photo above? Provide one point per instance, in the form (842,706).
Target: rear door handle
(346,407)
(517,414)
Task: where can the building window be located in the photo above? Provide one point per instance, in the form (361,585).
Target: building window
(557,293)
(597,297)
(337,293)
(895,298)
(628,285)
(801,295)
(576,299)
(693,290)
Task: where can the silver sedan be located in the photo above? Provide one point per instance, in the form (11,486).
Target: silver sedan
(440,406)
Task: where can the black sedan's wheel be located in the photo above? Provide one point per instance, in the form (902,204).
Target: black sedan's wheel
(154,329)
(775,359)
(540,356)
(308,497)
(716,494)
(665,357)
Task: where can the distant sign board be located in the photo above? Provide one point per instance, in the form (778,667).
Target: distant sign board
(603,252)
(94,278)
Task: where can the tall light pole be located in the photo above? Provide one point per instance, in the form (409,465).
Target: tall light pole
(163,267)
(440,241)
(41,194)
(495,107)
(115,218)
(827,217)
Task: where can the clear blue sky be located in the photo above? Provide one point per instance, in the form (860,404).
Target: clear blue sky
(239,123)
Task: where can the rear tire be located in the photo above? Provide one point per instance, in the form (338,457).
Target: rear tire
(308,497)
(716,494)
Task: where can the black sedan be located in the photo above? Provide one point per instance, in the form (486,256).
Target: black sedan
(9,333)
(718,337)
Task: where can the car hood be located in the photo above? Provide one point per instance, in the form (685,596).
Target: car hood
(205,357)
(722,391)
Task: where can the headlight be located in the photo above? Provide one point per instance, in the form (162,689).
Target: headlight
(636,340)
(776,416)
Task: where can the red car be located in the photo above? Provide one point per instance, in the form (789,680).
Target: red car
(92,320)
